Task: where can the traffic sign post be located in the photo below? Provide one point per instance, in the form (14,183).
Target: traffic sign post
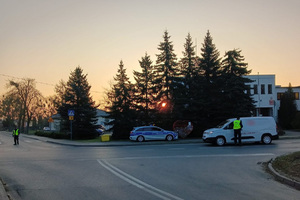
(71,114)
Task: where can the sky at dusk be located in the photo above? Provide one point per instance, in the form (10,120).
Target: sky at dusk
(47,39)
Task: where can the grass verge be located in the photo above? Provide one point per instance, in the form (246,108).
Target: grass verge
(91,140)
(288,165)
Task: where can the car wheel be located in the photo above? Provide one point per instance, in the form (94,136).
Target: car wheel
(266,139)
(220,141)
(169,138)
(140,139)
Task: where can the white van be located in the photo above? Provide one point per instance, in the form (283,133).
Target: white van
(255,129)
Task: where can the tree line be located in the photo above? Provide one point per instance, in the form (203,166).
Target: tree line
(203,89)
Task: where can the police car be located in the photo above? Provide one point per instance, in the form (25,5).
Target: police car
(143,133)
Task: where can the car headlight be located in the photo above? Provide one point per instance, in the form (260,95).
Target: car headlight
(209,132)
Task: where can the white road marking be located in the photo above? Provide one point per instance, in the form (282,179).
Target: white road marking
(194,156)
(137,183)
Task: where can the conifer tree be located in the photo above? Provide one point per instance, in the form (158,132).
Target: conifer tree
(234,100)
(144,90)
(189,60)
(121,109)
(288,108)
(210,91)
(166,68)
(77,97)
(210,60)
(186,83)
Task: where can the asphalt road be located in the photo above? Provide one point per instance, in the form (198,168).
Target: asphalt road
(37,170)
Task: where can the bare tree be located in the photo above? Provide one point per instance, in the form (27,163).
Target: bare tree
(30,98)
(9,110)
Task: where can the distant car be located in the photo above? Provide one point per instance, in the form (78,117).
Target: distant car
(100,129)
(46,129)
(143,133)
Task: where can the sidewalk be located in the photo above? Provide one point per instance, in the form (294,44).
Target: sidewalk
(290,134)
(287,135)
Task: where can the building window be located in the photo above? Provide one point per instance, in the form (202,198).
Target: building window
(255,89)
(296,95)
(269,88)
(279,95)
(248,90)
(262,89)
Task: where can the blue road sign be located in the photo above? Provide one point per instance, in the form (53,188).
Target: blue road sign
(71,112)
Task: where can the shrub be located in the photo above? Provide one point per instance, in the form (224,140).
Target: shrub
(296,121)
(51,134)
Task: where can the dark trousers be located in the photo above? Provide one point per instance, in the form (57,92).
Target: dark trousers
(16,139)
(237,136)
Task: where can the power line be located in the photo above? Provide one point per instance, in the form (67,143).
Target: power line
(50,84)
(14,77)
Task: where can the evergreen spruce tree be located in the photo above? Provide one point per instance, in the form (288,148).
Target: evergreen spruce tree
(288,109)
(189,61)
(166,70)
(121,109)
(210,61)
(77,97)
(233,99)
(185,101)
(144,91)
(210,91)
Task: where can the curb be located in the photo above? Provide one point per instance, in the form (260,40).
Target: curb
(3,194)
(293,183)
(115,144)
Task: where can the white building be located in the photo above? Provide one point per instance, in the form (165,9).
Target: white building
(55,120)
(267,95)
(102,119)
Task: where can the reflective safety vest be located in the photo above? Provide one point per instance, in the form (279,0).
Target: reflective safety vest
(237,124)
(16,132)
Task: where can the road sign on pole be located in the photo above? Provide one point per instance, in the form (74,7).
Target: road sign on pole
(71,114)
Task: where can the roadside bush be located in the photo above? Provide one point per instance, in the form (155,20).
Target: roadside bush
(51,134)
(296,121)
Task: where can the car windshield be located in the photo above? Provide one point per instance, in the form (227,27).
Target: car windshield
(222,124)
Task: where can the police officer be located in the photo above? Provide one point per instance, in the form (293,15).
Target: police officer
(16,136)
(237,127)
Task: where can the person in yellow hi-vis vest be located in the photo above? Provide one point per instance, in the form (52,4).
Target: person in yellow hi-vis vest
(16,136)
(237,127)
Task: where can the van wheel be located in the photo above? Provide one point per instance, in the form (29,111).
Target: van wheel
(140,139)
(169,138)
(266,139)
(220,141)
